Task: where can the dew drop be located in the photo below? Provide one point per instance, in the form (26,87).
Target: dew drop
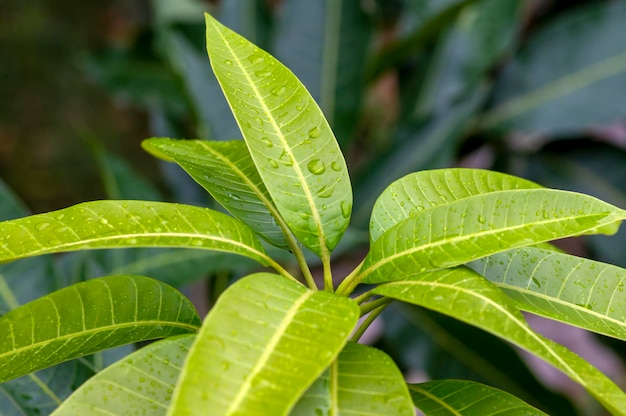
(325,192)
(303,215)
(42,226)
(346,208)
(336,166)
(278,91)
(273,163)
(299,107)
(315,132)
(262,74)
(316,167)
(228,62)
(481,219)
(59,217)
(285,159)
(535,281)
(267,142)
(104,221)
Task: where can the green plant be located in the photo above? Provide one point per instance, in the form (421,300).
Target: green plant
(469,244)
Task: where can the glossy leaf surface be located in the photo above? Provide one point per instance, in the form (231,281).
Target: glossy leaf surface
(362,381)
(288,137)
(464,295)
(263,344)
(467,398)
(227,172)
(467,229)
(113,224)
(89,317)
(577,291)
(141,383)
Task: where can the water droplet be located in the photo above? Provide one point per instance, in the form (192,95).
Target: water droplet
(267,142)
(273,163)
(259,121)
(42,226)
(315,132)
(346,208)
(535,281)
(278,91)
(316,167)
(59,217)
(481,219)
(104,221)
(299,107)
(303,215)
(336,166)
(262,73)
(285,159)
(228,62)
(325,192)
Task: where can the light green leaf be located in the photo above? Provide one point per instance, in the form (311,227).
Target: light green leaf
(464,295)
(116,224)
(89,317)
(474,227)
(288,137)
(263,344)
(141,383)
(362,381)
(227,172)
(467,398)
(415,192)
(577,291)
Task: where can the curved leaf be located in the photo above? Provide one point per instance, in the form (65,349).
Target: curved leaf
(362,381)
(265,341)
(89,317)
(227,172)
(288,137)
(141,383)
(481,225)
(467,398)
(415,192)
(465,295)
(570,289)
(116,224)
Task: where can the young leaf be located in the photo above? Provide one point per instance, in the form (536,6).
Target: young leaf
(467,398)
(265,341)
(288,137)
(465,295)
(227,172)
(361,381)
(141,383)
(577,291)
(481,225)
(89,317)
(116,224)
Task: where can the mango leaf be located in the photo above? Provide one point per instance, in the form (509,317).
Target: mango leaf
(467,398)
(288,137)
(263,344)
(481,225)
(227,172)
(141,383)
(577,291)
(89,317)
(415,192)
(465,295)
(362,381)
(116,224)
(568,77)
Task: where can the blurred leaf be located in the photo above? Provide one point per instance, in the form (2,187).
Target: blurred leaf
(10,205)
(467,398)
(90,317)
(361,381)
(265,341)
(288,137)
(179,11)
(569,76)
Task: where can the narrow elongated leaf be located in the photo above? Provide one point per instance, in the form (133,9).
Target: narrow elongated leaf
(113,224)
(227,172)
(463,294)
(362,381)
(467,398)
(89,317)
(265,341)
(577,291)
(481,225)
(141,383)
(288,137)
(415,192)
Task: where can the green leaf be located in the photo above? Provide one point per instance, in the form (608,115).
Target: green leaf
(263,344)
(467,398)
(464,295)
(116,224)
(141,383)
(569,76)
(577,291)
(362,381)
(415,192)
(89,317)
(288,137)
(477,226)
(227,172)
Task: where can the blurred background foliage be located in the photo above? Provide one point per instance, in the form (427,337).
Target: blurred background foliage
(536,88)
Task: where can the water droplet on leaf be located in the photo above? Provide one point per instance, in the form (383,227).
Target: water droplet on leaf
(315,132)
(278,91)
(267,142)
(325,192)
(316,167)
(273,163)
(346,208)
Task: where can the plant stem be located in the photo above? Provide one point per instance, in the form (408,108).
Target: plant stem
(363,297)
(370,306)
(347,286)
(328,274)
(281,270)
(306,272)
(368,320)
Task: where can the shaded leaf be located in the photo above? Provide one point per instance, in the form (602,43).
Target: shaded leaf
(89,317)
(288,137)
(265,341)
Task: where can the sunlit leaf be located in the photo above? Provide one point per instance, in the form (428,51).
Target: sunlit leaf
(288,137)
(262,345)
(89,317)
